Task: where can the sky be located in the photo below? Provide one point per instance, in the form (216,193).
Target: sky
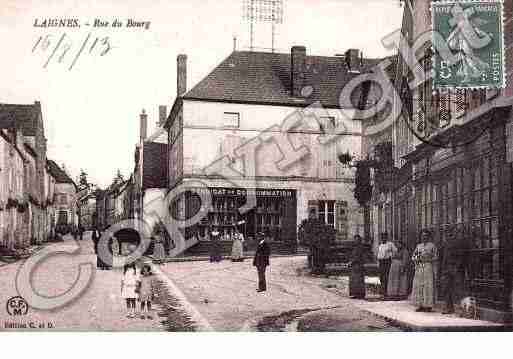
(91,112)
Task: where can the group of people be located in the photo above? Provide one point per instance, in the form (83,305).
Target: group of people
(237,253)
(138,287)
(401,274)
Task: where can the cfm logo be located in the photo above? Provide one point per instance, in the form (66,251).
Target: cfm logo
(17,306)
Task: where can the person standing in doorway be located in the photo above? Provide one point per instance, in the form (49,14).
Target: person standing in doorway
(261,261)
(386,251)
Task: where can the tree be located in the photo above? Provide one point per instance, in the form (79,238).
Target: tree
(318,236)
(363,192)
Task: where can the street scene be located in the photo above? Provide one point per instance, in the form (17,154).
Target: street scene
(258,176)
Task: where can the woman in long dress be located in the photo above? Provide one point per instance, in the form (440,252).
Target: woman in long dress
(424,258)
(397,287)
(357,277)
(159,253)
(237,247)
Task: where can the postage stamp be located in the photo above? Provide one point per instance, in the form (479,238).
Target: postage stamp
(473,33)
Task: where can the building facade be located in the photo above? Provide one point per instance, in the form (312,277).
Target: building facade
(23,132)
(65,199)
(465,186)
(13,228)
(268,126)
(87,211)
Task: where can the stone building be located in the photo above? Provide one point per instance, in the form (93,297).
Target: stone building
(28,121)
(87,210)
(465,186)
(65,198)
(284,110)
(13,228)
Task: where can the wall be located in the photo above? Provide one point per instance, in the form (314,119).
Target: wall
(205,139)
(11,187)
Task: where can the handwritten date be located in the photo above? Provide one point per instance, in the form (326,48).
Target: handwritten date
(60,47)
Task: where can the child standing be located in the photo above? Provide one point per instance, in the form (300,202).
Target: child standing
(129,288)
(147,292)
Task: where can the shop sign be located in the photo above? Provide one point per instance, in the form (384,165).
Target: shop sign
(242,192)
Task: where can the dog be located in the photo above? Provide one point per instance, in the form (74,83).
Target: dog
(469,308)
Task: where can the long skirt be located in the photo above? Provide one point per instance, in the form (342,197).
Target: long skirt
(357,281)
(159,252)
(423,292)
(237,250)
(215,251)
(397,281)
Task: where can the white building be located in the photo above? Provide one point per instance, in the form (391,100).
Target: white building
(242,112)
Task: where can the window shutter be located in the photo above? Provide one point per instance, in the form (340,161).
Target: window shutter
(461,104)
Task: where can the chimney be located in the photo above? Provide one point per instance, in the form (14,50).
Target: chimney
(162,115)
(144,125)
(353,60)
(181,76)
(298,58)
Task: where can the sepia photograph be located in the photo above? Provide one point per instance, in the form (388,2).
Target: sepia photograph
(200,166)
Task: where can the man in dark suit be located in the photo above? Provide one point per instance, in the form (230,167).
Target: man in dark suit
(261,261)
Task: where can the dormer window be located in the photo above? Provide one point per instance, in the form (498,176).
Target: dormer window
(231,119)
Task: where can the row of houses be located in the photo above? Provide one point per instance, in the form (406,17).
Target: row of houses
(104,208)
(455,178)
(36,195)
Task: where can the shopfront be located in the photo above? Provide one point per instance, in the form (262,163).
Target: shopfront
(275,213)
(467,190)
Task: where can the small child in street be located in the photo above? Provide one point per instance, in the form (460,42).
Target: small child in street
(147,291)
(129,289)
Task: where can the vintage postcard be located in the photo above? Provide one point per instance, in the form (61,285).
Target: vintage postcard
(256,166)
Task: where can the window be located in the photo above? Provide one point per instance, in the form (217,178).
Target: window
(327,212)
(231,119)
(327,125)
(485,219)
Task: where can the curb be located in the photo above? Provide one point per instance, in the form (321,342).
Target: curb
(425,328)
(206,259)
(201,323)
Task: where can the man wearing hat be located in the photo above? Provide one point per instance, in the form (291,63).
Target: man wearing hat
(261,261)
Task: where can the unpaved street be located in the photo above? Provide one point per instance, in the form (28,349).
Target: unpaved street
(225,294)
